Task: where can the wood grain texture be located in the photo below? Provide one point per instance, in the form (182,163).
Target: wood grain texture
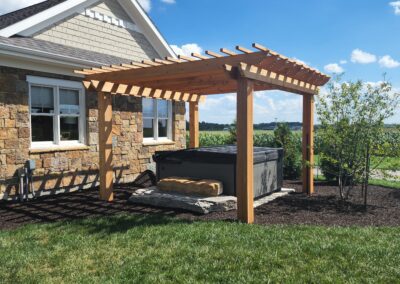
(308,144)
(194,124)
(105,146)
(244,164)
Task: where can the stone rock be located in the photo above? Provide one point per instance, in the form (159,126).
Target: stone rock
(191,187)
(203,205)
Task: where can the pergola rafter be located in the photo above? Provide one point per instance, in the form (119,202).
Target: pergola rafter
(191,79)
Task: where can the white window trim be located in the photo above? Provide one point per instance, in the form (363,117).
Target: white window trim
(57,84)
(155,118)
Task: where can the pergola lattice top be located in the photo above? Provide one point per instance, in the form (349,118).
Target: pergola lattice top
(190,78)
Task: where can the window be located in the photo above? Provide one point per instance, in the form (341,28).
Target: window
(157,119)
(57,112)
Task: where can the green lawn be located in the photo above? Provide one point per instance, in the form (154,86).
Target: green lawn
(391,163)
(156,249)
(385,183)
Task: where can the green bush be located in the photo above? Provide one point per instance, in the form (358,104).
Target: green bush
(284,138)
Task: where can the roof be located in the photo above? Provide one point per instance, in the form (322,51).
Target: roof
(190,78)
(19,15)
(49,48)
(30,20)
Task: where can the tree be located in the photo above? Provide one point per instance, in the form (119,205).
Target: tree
(352,116)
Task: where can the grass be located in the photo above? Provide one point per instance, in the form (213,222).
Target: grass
(385,183)
(157,249)
(378,182)
(390,163)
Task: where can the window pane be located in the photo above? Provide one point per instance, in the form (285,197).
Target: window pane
(162,109)
(148,129)
(148,108)
(69,101)
(42,128)
(162,128)
(69,128)
(42,99)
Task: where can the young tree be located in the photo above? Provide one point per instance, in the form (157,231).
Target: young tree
(352,116)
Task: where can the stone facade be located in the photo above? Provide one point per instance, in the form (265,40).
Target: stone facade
(72,169)
(91,34)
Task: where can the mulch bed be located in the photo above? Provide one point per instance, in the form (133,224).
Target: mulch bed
(324,208)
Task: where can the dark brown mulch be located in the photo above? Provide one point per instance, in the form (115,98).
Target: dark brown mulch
(322,209)
(326,208)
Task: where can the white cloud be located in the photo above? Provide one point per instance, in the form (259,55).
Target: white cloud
(301,61)
(333,68)
(362,57)
(146,4)
(388,62)
(169,1)
(396,6)
(268,105)
(187,49)
(12,5)
(342,62)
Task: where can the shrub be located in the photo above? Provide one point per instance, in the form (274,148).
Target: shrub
(352,130)
(284,138)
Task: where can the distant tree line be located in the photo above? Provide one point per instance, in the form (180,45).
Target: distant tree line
(208,126)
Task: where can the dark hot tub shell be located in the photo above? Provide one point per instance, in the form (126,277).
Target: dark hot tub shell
(219,163)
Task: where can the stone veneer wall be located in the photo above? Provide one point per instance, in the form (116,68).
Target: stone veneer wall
(74,169)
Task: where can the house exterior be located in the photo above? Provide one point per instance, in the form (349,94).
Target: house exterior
(46,115)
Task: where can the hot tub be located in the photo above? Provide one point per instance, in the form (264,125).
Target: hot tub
(219,163)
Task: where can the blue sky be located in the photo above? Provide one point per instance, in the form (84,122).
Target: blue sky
(358,37)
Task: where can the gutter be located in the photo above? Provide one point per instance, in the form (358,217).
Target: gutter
(24,52)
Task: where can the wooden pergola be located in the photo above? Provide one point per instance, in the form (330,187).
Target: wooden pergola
(190,79)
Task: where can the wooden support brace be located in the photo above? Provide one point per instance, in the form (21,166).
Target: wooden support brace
(105,146)
(308,144)
(194,124)
(244,163)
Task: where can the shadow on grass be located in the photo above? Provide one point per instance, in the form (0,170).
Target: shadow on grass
(119,223)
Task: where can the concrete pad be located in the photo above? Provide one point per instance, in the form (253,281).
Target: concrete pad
(197,204)
(273,196)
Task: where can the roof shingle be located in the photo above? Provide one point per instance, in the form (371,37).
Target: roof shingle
(95,58)
(19,15)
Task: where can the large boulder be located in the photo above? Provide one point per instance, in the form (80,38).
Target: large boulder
(202,205)
(188,186)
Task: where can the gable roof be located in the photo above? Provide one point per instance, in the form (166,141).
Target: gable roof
(27,21)
(19,15)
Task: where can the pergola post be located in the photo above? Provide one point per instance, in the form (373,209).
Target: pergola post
(308,144)
(194,124)
(244,163)
(105,146)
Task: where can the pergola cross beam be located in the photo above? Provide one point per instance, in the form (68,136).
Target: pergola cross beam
(190,79)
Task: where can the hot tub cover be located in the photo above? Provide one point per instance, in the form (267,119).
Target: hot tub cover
(218,155)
